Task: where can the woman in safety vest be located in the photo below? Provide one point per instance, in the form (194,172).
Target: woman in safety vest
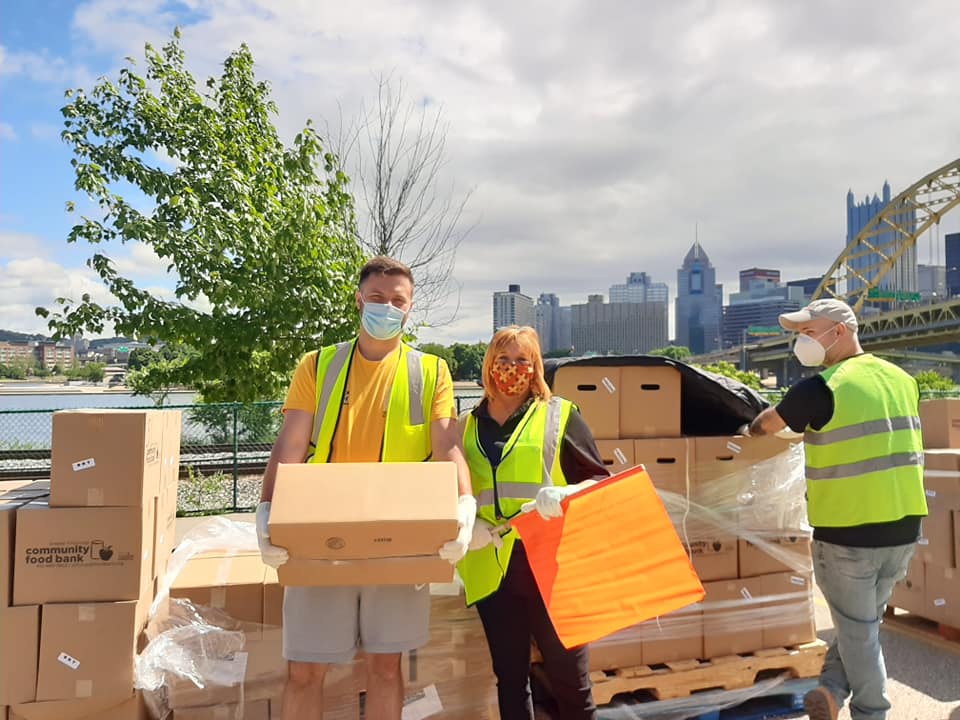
(524,447)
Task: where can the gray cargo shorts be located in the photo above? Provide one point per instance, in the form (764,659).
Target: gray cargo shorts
(328,624)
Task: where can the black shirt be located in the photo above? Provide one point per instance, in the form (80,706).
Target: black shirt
(810,403)
(579,458)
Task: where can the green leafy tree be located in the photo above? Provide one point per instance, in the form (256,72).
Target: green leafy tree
(469,360)
(443,352)
(750,379)
(931,380)
(253,422)
(674,352)
(257,236)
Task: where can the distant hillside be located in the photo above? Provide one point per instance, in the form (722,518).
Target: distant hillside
(11,336)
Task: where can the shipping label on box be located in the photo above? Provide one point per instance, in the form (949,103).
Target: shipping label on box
(19,644)
(354,511)
(729,628)
(105,458)
(86,650)
(714,559)
(596,391)
(617,455)
(233,584)
(649,402)
(789,619)
(666,461)
(940,421)
(82,554)
(784,554)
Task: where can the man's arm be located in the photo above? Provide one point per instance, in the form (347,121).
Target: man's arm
(767,422)
(447,446)
(291,447)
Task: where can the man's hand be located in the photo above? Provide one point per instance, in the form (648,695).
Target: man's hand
(766,423)
(454,550)
(272,555)
(483,534)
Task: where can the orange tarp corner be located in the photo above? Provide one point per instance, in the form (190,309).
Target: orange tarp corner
(613,560)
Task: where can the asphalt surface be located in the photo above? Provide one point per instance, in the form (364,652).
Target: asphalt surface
(924,678)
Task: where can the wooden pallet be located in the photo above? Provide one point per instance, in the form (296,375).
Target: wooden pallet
(731,672)
(920,628)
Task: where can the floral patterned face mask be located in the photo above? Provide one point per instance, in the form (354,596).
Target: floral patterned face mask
(512,377)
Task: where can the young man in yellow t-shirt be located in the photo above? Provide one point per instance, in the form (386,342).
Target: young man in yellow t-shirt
(322,625)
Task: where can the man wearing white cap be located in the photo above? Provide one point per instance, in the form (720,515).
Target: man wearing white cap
(865,498)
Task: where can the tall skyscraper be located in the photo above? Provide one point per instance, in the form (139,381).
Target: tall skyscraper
(639,288)
(951,244)
(699,302)
(552,323)
(903,276)
(620,328)
(512,308)
(758,277)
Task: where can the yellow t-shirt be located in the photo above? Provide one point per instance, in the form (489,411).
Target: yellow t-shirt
(363,418)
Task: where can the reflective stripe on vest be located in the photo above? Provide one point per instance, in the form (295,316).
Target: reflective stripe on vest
(551,443)
(865,465)
(332,378)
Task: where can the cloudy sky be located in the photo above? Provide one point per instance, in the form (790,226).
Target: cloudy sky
(594,135)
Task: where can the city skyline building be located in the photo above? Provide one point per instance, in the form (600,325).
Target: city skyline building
(639,287)
(758,277)
(758,308)
(512,308)
(552,323)
(932,282)
(903,276)
(951,246)
(620,328)
(699,306)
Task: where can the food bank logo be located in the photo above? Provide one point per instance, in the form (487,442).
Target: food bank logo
(94,552)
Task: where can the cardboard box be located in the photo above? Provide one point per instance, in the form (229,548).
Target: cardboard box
(257,710)
(649,402)
(666,460)
(789,620)
(717,457)
(165,536)
(82,554)
(233,584)
(170,450)
(8,544)
(680,637)
(86,650)
(937,543)
(715,559)
(596,391)
(107,707)
(942,595)
(272,599)
(261,665)
(940,421)
(756,560)
(617,455)
(105,458)
(19,643)
(364,511)
(943,459)
(728,627)
(908,594)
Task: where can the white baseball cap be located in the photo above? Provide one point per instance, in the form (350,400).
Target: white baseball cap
(830,308)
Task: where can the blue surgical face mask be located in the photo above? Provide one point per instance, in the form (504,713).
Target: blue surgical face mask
(382,321)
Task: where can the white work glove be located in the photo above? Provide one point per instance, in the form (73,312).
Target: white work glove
(272,555)
(483,534)
(454,550)
(549,498)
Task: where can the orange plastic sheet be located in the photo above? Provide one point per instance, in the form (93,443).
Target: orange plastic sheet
(613,560)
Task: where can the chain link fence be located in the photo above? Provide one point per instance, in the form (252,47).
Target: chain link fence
(223,453)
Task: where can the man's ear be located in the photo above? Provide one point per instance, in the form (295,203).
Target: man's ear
(358,299)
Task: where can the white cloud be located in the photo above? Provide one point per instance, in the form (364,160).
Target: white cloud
(41,67)
(18,245)
(139,261)
(44,131)
(7,132)
(598,136)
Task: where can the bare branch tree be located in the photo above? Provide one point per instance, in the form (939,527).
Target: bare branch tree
(395,153)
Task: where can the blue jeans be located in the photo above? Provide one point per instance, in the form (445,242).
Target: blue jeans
(857,583)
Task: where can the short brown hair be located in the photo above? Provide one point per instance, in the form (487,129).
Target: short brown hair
(383,265)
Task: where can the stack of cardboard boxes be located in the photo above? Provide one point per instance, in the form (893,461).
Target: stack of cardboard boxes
(932,586)
(727,497)
(84,562)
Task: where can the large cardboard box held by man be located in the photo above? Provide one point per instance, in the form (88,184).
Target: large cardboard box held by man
(364,523)
(106,457)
